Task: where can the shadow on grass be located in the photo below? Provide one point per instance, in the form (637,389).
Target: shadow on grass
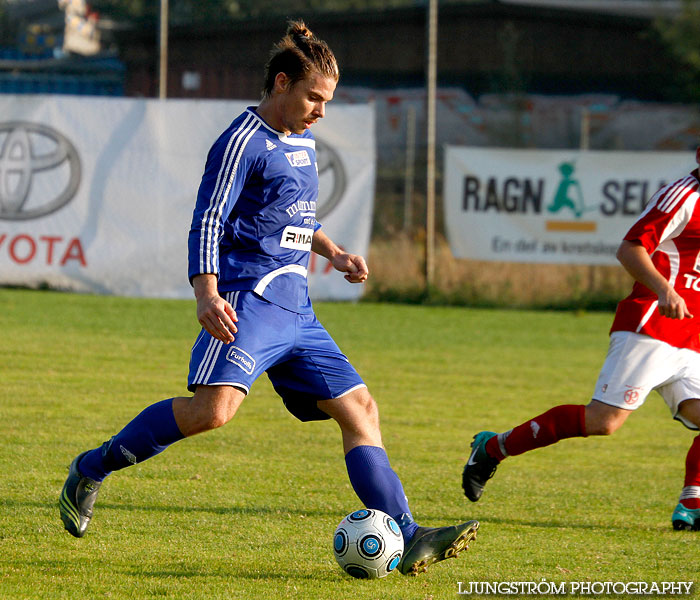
(216,510)
(240,573)
(549,524)
(186,572)
(428,520)
(220,510)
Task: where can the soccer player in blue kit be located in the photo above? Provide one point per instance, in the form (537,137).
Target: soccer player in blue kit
(252,232)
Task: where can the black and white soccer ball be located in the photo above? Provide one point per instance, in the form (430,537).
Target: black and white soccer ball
(368,544)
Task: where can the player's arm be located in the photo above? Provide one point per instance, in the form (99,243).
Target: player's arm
(353,265)
(636,260)
(214,314)
(211,210)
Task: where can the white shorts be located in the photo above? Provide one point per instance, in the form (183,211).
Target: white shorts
(637,364)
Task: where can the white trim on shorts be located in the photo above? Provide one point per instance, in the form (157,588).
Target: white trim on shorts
(239,386)
(349,391)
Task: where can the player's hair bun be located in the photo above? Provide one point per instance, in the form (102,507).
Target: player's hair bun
(296,55)
(298,31)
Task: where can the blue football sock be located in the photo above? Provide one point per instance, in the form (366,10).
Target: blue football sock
(378,486)
(151,432)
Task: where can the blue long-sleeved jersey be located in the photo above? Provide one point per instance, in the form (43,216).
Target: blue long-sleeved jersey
(255,214)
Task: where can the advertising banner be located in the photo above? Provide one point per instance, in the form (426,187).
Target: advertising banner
(96,194)
(542,206)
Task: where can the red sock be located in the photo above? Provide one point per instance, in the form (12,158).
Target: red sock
(493,448)
(690,498)
(558,423)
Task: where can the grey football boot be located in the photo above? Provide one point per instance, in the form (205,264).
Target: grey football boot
(433,544)
(77,499)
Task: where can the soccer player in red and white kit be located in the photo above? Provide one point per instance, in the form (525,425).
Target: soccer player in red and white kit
(654,345)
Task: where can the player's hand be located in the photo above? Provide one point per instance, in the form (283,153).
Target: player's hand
(353,265)
(672,305)
(217,317)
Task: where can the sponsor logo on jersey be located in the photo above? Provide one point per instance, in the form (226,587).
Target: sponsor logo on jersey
(301,205)
(297,238)
(39,170)
(241,359)
(300,158)
(692,282)
(269,145)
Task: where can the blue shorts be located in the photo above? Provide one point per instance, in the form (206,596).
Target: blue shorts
(301,359)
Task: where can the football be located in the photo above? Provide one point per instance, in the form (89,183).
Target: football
(368,544)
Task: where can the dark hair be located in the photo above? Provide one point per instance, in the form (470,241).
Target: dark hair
(297,54)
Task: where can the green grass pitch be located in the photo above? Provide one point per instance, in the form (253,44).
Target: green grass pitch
(248,511)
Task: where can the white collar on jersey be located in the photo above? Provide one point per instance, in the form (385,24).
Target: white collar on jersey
(282,137)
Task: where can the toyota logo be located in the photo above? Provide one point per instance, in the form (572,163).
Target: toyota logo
(331,175)
(39,170)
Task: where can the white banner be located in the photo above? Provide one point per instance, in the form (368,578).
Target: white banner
(96,194)
(547,206)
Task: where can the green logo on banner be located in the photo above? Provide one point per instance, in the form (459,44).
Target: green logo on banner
(569,193)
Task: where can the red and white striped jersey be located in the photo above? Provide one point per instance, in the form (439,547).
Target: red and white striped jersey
(669,230)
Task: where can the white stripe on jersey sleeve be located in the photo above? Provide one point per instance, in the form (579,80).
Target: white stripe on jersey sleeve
(679,220)
(222,202)
(205,258)
(209,238)
(679,190)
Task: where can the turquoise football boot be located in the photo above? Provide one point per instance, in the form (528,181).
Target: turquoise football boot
(687,519)
(479,468)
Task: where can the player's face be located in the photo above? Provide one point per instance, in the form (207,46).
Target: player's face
(304,103)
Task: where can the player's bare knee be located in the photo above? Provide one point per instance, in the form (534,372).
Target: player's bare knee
(367,402)
(690,411)
(604,428)
(366,407)
(605,424)
(218,418)
(203,419)
(208,409)
(356,413)
(603,419)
